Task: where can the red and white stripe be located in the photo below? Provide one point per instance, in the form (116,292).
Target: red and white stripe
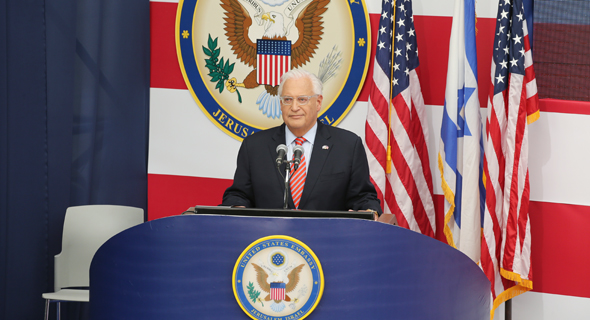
(407,190)
(271,67)
(506,242)
(277,294)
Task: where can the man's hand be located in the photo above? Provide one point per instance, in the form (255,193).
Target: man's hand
(375,214)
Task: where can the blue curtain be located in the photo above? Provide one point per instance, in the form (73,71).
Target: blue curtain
(74,90)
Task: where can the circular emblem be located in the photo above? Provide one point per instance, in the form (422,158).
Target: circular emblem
(278,277)
(232,54)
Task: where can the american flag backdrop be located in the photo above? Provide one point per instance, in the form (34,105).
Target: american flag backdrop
(512,105)
(273,59)
(395,130)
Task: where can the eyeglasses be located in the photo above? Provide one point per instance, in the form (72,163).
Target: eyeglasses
(301,100)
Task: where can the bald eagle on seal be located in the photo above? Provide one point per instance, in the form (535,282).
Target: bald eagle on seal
(262,279)
(237,25)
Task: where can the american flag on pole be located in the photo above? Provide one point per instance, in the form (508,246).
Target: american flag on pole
(460,156)
(273,59)
(277,291)
(396,132)
(513,104)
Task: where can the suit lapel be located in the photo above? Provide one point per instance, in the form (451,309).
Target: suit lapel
(278,138)
(318,159)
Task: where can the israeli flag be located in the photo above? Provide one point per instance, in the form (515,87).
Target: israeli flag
(460,157)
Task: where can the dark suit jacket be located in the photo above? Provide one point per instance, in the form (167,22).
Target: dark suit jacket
(337,178)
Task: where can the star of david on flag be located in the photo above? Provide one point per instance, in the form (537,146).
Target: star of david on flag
(460,157)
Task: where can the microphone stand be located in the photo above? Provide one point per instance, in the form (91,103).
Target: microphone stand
(287,178)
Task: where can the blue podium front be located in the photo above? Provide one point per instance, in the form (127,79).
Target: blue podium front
(192,267)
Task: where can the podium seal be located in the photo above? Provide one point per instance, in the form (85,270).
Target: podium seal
(278,277)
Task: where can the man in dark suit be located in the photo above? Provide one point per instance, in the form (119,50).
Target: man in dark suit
(334,173)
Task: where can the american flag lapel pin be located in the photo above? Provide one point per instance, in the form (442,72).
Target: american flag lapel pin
(325,147)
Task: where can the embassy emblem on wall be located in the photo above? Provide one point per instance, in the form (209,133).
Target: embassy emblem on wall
(278,277)
(232,54)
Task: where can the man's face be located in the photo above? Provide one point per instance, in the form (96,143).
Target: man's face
(300,118)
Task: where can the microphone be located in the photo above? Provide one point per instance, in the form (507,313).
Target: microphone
(297,153)
(282,151)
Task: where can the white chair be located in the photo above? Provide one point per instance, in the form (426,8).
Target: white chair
(85,229)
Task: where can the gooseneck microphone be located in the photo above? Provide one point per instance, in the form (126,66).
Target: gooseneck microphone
(297,154)
(281,152)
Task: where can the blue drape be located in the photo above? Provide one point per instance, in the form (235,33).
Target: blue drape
(74,90)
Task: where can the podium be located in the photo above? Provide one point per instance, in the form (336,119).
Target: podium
(183,267)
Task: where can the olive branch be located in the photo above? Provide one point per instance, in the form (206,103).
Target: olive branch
(219,71)
(253,293)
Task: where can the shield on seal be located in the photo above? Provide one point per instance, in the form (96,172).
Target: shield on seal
(277,291)
(273,59)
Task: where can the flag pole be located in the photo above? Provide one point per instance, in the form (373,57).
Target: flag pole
(388,163)
(508,310)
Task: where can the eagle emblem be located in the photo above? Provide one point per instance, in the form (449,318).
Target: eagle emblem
(277,291)
(232,54)
(278,277)
(238,22)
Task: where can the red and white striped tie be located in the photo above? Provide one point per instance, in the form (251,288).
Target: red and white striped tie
(298,177)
